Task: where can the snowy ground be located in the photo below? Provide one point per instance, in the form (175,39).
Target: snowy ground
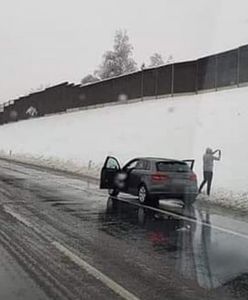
(179,127)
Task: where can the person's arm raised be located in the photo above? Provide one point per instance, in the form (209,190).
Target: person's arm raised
(217,157)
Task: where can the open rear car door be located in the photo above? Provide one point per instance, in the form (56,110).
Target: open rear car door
(110,168)
(190,163)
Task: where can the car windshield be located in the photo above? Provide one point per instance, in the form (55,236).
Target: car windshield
(172,166)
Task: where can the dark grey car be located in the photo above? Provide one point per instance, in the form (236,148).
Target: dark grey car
(151,179)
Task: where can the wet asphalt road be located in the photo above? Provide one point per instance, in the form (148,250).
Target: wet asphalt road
(63,238)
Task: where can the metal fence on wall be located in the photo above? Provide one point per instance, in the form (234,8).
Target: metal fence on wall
(225,69)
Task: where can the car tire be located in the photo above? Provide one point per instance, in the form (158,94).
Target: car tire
(143,194)
(189,199)
(154,201)
(113,192)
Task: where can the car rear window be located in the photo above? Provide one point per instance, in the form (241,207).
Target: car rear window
(172,166)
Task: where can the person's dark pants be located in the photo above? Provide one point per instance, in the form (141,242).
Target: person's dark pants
(207,178)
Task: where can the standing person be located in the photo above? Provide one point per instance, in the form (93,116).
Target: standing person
(208,165)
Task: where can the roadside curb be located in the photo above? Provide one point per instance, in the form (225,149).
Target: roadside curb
(57,171)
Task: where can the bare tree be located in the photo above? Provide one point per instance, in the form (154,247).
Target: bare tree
(143,66)
(156,60)
(119,60)
(89,79)
(170,59)
(40,88)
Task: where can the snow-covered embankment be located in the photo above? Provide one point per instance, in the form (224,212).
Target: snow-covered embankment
(179,127)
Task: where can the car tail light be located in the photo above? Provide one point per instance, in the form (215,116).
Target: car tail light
(193,177)
(160,177)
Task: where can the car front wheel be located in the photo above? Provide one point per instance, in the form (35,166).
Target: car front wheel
(143,194)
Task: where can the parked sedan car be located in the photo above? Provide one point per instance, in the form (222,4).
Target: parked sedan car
(151,179)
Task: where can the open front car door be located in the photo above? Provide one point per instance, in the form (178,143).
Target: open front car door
(110,168)
(190,163)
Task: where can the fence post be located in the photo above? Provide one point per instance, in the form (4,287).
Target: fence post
(196,78)
(172,79)
(238,66)
(142,84)
(215,73)
(156,83)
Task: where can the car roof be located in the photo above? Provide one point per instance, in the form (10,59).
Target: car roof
(156,159)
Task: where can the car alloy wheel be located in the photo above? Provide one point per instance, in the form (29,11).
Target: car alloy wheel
(142,194)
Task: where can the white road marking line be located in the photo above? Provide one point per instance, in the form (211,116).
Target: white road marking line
(96,273)
(118,289)
(166,212)
(17,216)
(23,220)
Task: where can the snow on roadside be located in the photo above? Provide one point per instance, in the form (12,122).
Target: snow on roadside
(54,163)
(178,127)
(228,199)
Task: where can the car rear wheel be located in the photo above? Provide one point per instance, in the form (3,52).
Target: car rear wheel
(189,199)
(113,192)
(143,194)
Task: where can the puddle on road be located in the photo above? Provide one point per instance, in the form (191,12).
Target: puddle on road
(215,260)
(17,182)
(63,203)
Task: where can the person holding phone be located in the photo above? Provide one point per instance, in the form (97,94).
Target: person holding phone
(208,166)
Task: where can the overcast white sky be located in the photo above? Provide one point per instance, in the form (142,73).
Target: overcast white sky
(50,41)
